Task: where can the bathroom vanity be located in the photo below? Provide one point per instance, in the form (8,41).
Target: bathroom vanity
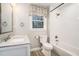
(16,46)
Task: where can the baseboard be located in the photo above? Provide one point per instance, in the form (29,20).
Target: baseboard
(34,49)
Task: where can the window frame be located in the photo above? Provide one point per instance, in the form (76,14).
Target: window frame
(40,29)
(36,19)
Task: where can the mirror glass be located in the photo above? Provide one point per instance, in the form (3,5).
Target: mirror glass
(6,21)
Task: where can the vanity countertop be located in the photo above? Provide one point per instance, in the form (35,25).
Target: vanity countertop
(14,41)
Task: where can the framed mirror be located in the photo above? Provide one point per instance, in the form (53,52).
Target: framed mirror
(6,18)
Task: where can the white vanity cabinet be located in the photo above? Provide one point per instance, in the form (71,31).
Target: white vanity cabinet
(15,50)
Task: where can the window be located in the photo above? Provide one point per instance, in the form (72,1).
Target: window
(37,22)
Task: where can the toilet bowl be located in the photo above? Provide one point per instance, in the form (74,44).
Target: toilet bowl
(46,47)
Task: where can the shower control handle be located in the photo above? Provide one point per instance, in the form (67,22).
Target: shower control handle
(56,40)
(56,37)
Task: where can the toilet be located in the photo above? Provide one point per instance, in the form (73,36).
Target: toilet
(46,47)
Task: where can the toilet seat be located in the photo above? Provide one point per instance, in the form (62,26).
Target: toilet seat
(48,46)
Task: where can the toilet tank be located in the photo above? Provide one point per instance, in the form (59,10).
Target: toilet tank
(43,38)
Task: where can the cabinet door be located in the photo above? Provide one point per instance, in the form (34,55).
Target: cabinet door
(6,18)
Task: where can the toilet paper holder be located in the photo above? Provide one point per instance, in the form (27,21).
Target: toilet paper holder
(37,37)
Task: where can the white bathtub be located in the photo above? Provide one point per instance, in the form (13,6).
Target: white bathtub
(63,49)
(16,46)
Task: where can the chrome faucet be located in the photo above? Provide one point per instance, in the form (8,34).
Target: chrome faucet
(8,37)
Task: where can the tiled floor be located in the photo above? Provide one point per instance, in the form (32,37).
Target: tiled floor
(37,53)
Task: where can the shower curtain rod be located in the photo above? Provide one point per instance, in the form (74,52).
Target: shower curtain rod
(57,7)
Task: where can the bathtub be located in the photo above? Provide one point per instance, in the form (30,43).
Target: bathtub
(63,49)
(16,46)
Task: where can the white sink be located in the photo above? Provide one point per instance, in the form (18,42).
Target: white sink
(18,39)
